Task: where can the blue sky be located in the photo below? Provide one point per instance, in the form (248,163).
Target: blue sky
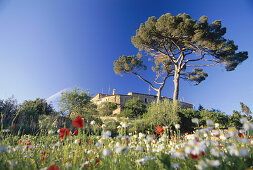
(48,46)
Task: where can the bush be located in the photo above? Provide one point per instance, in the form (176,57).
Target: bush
(214,115)
(186,116)
(47,121)
(86,112)
(224,120)
(107,108)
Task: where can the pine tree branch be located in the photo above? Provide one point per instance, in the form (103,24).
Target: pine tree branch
(151,85)
(202,65)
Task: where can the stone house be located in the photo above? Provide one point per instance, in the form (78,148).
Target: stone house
(122,99)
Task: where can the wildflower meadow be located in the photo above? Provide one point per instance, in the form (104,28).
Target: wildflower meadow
(77,148)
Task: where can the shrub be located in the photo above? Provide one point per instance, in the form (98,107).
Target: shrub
(86,112)
(186,116)
(107,108)
(224,120)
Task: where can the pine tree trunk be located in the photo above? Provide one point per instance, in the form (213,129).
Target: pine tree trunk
(158,95)
(159,92)
(176,86)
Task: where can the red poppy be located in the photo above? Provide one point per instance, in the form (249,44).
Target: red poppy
(186,133)
(42,159)
(44,153)
(64,132)
(89,142)
(159,130)
(53,167)
(193,156)
(78,122)
(75,133)
(28,143)
(241,135)
(96,161)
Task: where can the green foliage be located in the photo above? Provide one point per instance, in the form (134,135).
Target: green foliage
(133,108)
(76,102)
(182,32)
(187,43)
(245,109)
(39,105)
(234,120)
(215,116)
(58,122)
(107,108)
(129,64)
(8,109)
(49,121)
(186,116)
(111,125)
(163,113)
(30,110)
(225,121)
(197,75)
(165,159)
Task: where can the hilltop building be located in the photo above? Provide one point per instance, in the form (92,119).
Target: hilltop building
(122,99)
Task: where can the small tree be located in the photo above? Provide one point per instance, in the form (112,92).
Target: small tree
(188,43)
(74,100)
(245,109)
(163,113)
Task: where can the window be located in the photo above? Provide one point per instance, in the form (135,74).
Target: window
(146,100)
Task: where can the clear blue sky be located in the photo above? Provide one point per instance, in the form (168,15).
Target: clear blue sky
(50,45)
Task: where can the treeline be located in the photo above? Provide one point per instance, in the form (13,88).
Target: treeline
(26,115)
(34,116)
